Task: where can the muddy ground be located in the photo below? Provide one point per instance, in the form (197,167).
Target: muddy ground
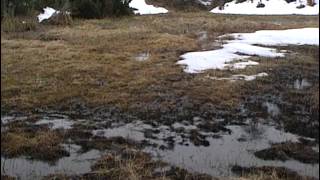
(69,118)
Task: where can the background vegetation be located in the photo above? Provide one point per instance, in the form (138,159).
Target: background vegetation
(78,8)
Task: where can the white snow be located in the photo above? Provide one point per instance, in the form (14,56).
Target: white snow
(48,12)
(143,8)
(244,46)
(205,2)
(242,65)
(272,7)
(308,36)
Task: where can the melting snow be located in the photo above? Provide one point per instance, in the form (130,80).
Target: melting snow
(272,7)
(48,12)
(242,48)
(143,8)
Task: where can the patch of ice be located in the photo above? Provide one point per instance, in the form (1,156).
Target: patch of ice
(143,8)
(252,77)
(48,12)
(272,7)
(301,84)
(241,77)
(244,46)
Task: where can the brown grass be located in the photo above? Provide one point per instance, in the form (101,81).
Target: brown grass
(10,24)
(93,60)
(43,145)
(4,177)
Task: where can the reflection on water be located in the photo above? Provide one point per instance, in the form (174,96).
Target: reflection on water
(26,169)
(224,149)
(222,153)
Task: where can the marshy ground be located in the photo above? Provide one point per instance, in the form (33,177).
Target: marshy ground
(105,99)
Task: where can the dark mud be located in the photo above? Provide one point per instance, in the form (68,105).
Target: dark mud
(279,172)
(292,91)
(289,150)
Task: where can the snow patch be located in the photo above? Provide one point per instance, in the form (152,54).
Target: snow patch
(272,7)
(48,13)
(143,8)
(244,46)
(205,2)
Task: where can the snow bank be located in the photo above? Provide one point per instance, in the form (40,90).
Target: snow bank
(143,8)
(272,7)
(242,48)
(48,12)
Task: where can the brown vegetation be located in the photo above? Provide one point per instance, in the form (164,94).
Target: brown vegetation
(44,145)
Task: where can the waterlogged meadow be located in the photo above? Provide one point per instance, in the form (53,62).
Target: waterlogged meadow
(171,95)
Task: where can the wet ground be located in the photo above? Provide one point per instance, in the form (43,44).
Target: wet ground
(184,144)
(194,135)
(268,129)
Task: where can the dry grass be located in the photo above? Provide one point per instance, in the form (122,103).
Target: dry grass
(11,25)
(43,145)
(93,60)
(136,166)
(4,177)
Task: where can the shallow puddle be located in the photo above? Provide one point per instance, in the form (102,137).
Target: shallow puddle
(223,152)
(56,122)
(235,149)
(171,144)
(26,169)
